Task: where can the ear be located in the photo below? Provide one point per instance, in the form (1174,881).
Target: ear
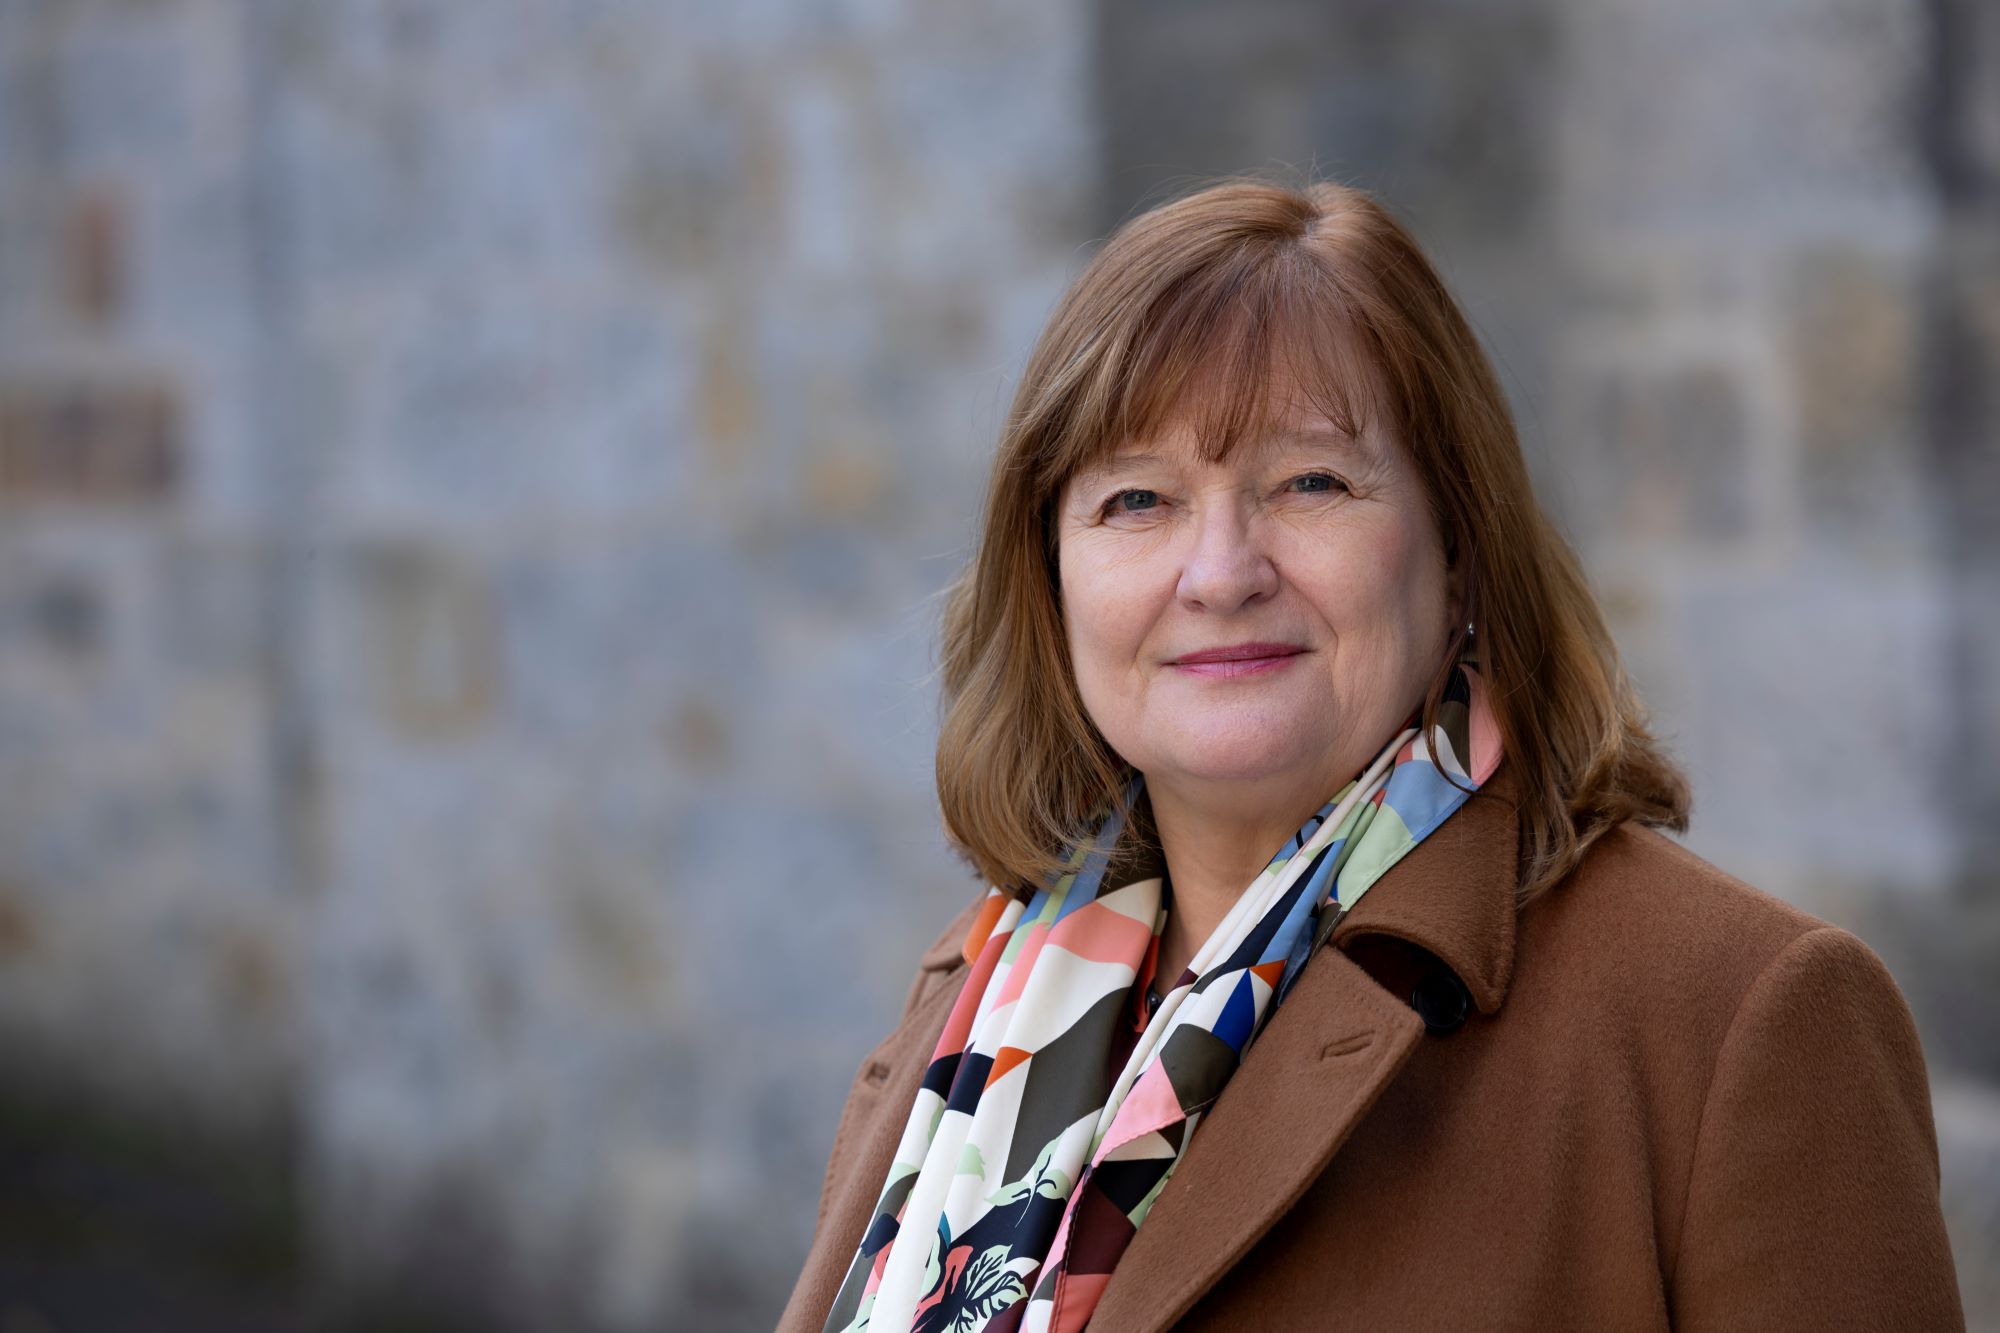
(1457,590)
(1455,596)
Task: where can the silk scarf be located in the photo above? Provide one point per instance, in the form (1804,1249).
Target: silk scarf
(1028,1162)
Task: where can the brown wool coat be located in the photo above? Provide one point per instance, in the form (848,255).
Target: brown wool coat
(1675,1101)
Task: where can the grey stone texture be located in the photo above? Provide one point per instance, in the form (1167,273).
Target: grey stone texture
(491,757)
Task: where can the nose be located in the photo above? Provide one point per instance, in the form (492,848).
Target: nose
(1226,567)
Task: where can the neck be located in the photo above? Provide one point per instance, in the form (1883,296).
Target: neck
(1213,852)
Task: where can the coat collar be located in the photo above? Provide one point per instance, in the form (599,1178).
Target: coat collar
(1453,894)
(1335,1043)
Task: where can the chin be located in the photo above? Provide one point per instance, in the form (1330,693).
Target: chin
(1241,758)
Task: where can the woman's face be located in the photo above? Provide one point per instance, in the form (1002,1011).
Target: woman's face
(1267,621)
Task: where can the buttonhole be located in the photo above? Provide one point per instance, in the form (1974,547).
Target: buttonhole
(1347,1045)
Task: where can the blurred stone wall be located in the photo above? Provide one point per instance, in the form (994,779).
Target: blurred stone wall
(469,713)
(146,912)
(473,485)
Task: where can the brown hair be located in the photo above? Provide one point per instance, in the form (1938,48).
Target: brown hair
(1210,291)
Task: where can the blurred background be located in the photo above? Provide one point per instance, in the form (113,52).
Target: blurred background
(475,481)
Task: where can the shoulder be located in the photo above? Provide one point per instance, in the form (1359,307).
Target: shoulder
(1780,1078)
(1637,881)
(943,957)
(944,952)
(1670,947)
(1638,897)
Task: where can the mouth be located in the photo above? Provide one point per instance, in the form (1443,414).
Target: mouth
(1241,659)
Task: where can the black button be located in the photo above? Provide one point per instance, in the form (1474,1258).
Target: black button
(1441,1001)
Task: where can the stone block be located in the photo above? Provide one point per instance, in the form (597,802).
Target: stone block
(1852,337)
(94,244)
(100,441)
(651,1203)
(683,197)
(67,615)
(1809,728)
(1962,357)
(1805,122)
(1659,453)
(369,196)
(208,608)
(1964,114)
(21,926)
(430,646)
(542,133)
(1973,703)
(631,383)
(1451,130)
(1962,384)
(192,282)
(125,94)
(1968,1124)
(646,618)
(30,262)
(472,417)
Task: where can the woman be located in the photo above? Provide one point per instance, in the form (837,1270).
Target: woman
(1320,819)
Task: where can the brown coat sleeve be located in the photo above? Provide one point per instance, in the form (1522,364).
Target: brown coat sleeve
(1813,1198)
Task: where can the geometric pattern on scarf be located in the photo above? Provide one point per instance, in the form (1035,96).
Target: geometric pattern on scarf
(1026,1164)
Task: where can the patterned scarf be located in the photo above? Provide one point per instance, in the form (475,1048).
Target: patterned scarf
(1029,1161)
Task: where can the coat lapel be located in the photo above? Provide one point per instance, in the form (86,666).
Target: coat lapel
(1309,1077)
(1454,893)
(1302,1088)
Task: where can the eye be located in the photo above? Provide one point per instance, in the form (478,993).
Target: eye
(1316,483)
(1132,502)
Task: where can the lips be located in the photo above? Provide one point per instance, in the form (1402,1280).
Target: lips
(1240,652)
(1239,659)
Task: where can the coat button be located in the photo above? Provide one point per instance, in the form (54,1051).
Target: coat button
(1440,999)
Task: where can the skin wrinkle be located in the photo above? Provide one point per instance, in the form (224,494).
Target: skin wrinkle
(1225,551)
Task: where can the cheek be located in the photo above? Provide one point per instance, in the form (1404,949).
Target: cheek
(1419,616)
(1384,585)
(1107,615)
(1095,615)
(1417,576)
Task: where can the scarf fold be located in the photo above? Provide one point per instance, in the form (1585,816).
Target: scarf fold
(1027,1163)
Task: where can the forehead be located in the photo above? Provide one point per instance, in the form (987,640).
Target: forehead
(1277,417)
